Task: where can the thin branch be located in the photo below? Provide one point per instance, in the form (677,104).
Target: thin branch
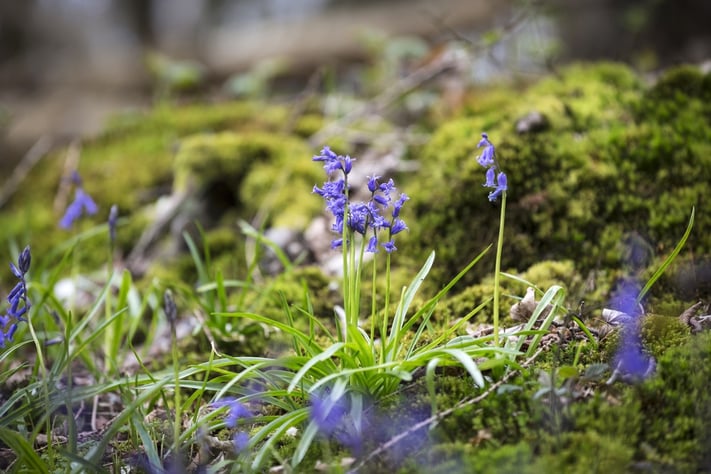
(40,148)
(409,83)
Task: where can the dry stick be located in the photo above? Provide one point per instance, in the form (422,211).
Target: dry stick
(40,148)
(411,82)
(71,163)
(390,95)
(439,416)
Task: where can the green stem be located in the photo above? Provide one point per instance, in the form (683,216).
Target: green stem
(386,309)
(346,272)
(497,269)
(177,423)
(373,304)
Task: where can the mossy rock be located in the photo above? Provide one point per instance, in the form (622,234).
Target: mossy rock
(130,164)
(578,188)
(251,172)
(542,275)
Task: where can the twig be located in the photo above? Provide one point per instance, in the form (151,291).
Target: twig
(387,97)
(441,415)
(40,148)
(71,163)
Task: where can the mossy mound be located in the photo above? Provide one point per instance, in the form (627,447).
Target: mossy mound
(608,181)
(658,425)
(232,149)
(246,173)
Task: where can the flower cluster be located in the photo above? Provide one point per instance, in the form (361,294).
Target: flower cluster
(487,159)
(235,412)
(19,304)
(360,217)
(82,203)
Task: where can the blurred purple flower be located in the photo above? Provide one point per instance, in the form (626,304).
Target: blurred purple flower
(501,185)
(82,203)
(327,413)
(333,421)
(631,360)
(240,441)
(236,411)
(17,298)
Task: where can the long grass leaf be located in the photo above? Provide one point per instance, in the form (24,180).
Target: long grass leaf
(667,261)
(468,363)
(24,450)
(404,305)
(324,356)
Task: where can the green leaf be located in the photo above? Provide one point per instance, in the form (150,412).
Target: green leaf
(468,364)
(667,261)
(323,356)
(24,450)
(404,305)
(567,371)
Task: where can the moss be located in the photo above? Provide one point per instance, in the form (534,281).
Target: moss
(676,403)
(130,164)
(252,172)
(661,333)
(587,452)
(576,189)
(542,274)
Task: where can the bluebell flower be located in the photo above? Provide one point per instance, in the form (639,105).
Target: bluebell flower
(333,162)
(389,246)
(487,159)
(82,203)
(501,185)
(363,217)
(236,411)
(373,183)
(17,298)
(490,178)
(372,245)
(398,204)
(397,227)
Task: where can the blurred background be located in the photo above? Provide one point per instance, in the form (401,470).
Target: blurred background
(68,65)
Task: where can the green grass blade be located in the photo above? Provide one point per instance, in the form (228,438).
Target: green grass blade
(250,231)
(393,342)
(555,296)
(468,363)
(24,450)
(323,356)
(667,261)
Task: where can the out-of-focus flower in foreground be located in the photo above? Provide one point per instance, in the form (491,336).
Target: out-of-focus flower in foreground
(631,362)
(235,412)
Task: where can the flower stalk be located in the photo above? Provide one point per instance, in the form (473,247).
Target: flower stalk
(496,179)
